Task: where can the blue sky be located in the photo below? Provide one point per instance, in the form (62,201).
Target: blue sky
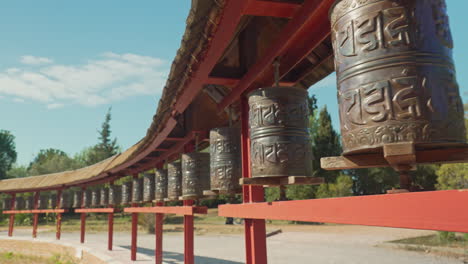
(97,54)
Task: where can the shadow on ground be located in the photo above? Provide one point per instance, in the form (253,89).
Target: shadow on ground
(176,258)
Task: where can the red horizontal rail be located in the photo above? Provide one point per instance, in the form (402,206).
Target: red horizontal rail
(438,210)
(271,9)
(178,210)
(96,210)
(38,211)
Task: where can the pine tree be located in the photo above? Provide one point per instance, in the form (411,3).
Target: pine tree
(108,146)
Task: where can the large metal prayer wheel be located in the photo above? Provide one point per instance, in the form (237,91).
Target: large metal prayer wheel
(195,174)
(174,181)
(126,192)
(96,198)
(77,196)
(53,201)
(87,197)
(225,159)
(43,202)
(395,73)
(19,204)
(280,140)
(104,196)
(148,187)
(160,187)
(6,205)
(29,203)
(65,201)
(115,195)
(137,191)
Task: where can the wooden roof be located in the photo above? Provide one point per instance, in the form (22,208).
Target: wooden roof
(227,49)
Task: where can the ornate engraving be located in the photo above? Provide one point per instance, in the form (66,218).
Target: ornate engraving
(225,162)
(174,180)
(195,174)
(160,184)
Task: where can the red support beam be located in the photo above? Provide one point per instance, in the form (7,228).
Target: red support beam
(134,230)
(38,211)
(177,210)
(11,223)
(309,26)
(110,230)
(255,230)
(158,230)
(58,216)
(437,210)
(35,215)
(271,9)
(222,81)
(82,217)
(189,256)
(96,210)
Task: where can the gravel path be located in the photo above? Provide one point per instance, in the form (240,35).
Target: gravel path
(317,245)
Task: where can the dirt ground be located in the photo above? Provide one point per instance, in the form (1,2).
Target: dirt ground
(321,244)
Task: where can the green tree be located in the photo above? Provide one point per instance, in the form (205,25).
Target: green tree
(50,161)
(18,171)
(374,180)
(342,187)
(8,153)
(452,176)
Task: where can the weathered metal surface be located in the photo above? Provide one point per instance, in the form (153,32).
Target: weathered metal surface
(225,159)
(29,203)
(174,180)
(396,76)
(195,174)
(126,192)
(19,204)
(137,190)
(115,195)
(65,201)
(43,202)
(76,199)
(104,196)
(280,139)
(6,204)
(87,197)
(148,187)
(160,185)
(96,198)
(53,201)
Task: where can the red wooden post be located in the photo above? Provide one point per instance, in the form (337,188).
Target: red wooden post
(158,229)
(11,224)
(59,216)
(83,217)
(255,230)
(110,236)
(189,257)
(134,230)
(35,215)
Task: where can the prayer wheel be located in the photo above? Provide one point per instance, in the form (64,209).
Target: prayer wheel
(6,205)
(87,197)
(126,192)
(148,187)
(77,199)
(19,204)
(280,138)
(53,201)
(395,74)
(104,196)
(225,162)
(195,174)
(29,203)
(115,195)
(160,185)
(95,198)
(174,181)
(137,192)
(65,201)
(43,202)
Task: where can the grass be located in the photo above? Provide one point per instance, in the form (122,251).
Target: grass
(436,240)
(15,258)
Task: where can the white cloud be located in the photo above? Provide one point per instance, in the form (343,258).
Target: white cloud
(110,77)
(33,60)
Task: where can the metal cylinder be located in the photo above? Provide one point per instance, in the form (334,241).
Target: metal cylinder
(195,174)
(96,198)
(65,201)
(280,139)
(395,73)
(148,187)
(19,204)
(225,159)
(174,181)
(87,197)
(137,190)
(29,203)
(53,201)
(104,196)
(43,202)
(126,192)
(160,185)
(115,195)
(77,199)
(6,205)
